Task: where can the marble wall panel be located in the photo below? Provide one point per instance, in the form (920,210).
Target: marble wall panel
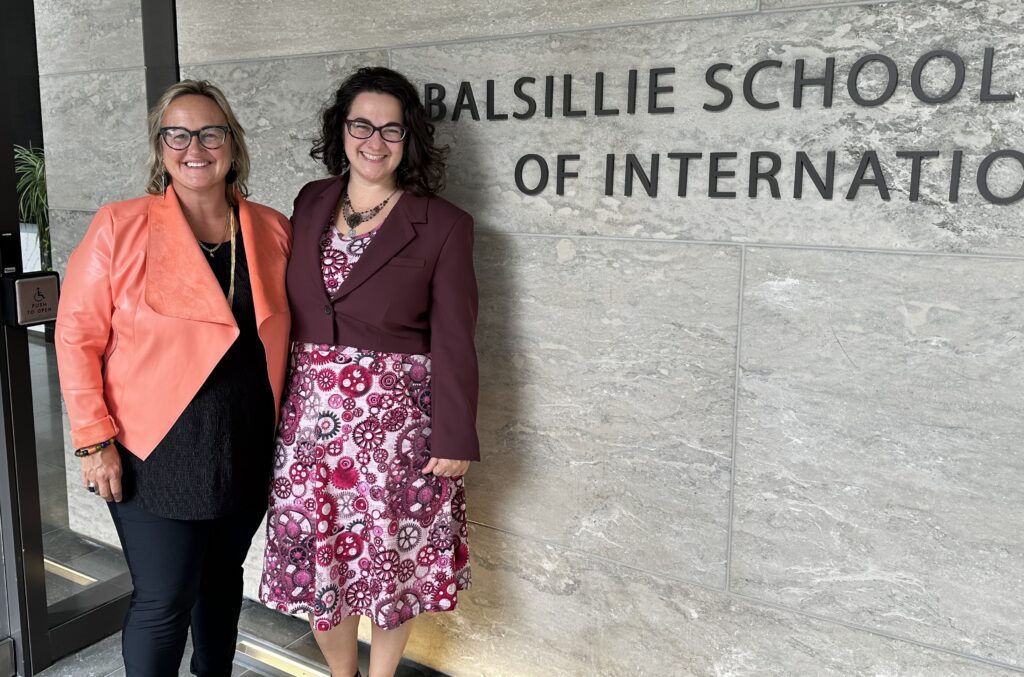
(228,30)
(606,397)
(877,482)
(87,514)
(252,570)
(278,101)
(786,4)
(95,130)
(878,469)
(88,35)
(66,230)
(537,609)
(485,153)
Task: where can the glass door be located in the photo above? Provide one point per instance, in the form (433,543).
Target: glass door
(60,590)
(82,573)
(6,643)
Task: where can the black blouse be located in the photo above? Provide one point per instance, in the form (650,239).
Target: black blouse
(217,457)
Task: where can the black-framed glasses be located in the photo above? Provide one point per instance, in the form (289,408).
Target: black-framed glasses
(361,129)
(210,137)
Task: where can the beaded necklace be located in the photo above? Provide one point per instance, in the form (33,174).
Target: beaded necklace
(355,219)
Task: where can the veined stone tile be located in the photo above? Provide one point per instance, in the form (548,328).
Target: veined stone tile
(252,569)
(53,509)
(878,469)
(103,659)
(67,228)
(88,514)
(779,4)
(99,659)
(536,609)
(278,102)
(86,35)
(246,29)
(271,626)
(95,130)
(485,153)
(4,622)
(607,396)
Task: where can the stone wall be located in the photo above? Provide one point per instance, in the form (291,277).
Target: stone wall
(748,435)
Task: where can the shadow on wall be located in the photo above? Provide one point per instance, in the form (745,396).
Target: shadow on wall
(500,409)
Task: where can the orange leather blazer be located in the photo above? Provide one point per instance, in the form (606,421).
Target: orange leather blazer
(142,320)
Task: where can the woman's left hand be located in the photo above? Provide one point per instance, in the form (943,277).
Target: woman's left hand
(446,467)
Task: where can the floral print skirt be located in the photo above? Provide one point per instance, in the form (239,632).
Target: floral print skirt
(354,526)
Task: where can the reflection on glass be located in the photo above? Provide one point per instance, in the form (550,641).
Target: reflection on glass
(81,573)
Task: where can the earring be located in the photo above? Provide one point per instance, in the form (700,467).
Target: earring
(165,182)
(344,165)
(231,176)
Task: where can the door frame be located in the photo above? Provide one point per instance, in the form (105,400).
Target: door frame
(37,636)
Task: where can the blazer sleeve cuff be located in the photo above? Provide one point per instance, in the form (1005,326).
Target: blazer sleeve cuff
(457,443)
(94,432)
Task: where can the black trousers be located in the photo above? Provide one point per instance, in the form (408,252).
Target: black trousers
(185,573)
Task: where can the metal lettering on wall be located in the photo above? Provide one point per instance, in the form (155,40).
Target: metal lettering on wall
(622,171)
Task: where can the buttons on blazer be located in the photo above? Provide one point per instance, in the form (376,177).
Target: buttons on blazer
(327,309)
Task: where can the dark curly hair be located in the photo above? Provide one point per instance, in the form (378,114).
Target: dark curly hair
(422,170)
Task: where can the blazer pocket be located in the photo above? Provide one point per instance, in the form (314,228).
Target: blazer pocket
(405,262)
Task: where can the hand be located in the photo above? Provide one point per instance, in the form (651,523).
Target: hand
(446,467)
(103,469)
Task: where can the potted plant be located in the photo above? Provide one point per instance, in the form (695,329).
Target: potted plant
(30,166)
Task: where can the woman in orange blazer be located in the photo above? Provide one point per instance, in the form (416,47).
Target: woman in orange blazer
(172,339)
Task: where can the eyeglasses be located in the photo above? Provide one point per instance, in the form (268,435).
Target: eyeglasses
(211,137)
(361,129)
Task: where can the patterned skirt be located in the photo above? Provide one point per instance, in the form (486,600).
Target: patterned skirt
(354,526)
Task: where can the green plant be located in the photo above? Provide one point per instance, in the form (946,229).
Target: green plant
(30,166)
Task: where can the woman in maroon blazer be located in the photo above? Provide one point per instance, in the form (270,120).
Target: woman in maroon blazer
(367,508)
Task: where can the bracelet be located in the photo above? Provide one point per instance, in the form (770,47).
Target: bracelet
(93,449)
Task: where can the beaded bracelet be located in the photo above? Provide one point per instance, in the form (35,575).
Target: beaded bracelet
(93,449)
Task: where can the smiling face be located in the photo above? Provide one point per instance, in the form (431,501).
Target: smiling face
(196,169)
(374,161)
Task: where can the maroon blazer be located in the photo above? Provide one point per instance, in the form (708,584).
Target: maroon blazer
(412,291)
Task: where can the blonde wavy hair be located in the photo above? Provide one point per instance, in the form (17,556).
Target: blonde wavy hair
(158,179)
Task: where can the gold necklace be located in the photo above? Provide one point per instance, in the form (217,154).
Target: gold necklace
(213,250)
(233,227)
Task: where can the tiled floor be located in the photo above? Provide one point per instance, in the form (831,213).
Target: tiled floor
(103,659)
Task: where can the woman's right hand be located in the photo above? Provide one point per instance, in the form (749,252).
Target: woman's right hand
(103,470)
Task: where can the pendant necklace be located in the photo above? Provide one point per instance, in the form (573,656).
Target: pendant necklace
(213,250)
(233,227)
(355,219)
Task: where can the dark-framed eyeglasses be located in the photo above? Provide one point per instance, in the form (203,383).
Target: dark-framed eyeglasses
(210,137)
(361,129)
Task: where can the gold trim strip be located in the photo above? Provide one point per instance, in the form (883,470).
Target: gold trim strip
(67,573)
(278,661)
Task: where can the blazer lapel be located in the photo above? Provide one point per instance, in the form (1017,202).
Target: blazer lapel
(179,282)
(395,233)
(307,235)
